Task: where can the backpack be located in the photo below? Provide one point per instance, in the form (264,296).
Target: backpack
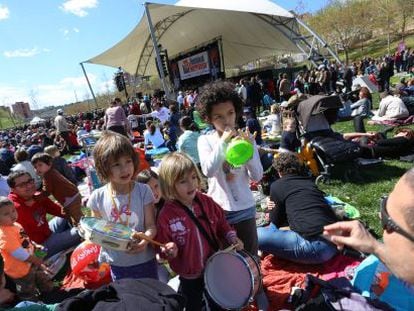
(336,294)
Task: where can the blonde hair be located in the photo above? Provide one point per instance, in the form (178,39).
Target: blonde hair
(274,109)
(112,146)
(173,167)
(52,150)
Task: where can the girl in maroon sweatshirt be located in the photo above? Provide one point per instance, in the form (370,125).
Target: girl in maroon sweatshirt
(187,249)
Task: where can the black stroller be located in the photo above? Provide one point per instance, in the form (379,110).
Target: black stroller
(316,115)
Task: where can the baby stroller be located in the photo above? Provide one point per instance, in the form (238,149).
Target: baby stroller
(316,115)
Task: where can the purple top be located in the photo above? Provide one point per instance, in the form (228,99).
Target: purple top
(115,116)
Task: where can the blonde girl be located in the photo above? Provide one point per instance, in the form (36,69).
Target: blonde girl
(187,248)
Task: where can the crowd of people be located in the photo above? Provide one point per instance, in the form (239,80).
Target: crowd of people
(173,206)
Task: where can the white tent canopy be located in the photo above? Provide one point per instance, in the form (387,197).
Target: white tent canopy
(246,29)
(37,120)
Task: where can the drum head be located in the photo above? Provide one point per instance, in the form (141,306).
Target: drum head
(228,280)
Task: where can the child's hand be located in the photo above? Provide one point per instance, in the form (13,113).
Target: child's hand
(35,261)
(170,250)
(238,243)
(137,245)
(228,134)
(246,135)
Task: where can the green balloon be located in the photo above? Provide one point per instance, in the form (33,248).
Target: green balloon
(238,152)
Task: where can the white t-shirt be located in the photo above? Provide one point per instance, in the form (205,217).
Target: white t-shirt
(156,139)
(100,201)
(133,121)
(231,195)
(162,115)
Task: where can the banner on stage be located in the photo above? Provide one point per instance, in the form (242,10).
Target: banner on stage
(194,66)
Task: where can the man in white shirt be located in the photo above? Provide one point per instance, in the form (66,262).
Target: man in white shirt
(160,112)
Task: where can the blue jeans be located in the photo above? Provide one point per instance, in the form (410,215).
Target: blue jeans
(291,246)
(63,236)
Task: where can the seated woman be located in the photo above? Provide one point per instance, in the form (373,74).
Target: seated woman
(390,108)
(300,205)
(376,145)
(358,110)
(153,136)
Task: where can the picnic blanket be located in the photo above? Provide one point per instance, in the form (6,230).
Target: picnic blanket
(280,276)
(406,121)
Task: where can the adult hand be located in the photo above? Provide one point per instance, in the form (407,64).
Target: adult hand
(270,204)
(353,234)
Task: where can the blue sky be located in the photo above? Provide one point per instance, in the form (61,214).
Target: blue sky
(43,42)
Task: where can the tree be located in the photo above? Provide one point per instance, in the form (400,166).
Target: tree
(342,23)
(405,9)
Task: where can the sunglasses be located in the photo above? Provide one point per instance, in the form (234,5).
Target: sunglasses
(388,224)
(25,183)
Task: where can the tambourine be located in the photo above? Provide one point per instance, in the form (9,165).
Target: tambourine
(109,234)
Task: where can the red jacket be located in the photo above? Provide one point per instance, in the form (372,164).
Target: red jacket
(33,218)
(174,225)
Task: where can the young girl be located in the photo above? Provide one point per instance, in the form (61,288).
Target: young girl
(150,178)
(124,201)
(187,142)
(189,250)
(152,135)
(221,106)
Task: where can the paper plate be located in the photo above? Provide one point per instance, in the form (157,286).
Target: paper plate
(239,152)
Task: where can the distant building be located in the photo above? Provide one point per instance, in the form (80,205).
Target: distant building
(22,110)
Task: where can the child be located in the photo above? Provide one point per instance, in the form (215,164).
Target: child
(152,135)
(189,250)
(170,136)
(124,201)
(150,178)
(221,106)
(289,141)
(20,263)
(187,142)
(65,192)
(60,164)
(273,120)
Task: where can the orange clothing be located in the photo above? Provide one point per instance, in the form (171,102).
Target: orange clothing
(12,238)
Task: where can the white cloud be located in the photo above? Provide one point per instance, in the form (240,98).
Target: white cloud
(22,53)
(75,29)
(79,7)
(4,12)
(61,93)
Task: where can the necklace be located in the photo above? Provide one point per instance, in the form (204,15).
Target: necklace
(116,212)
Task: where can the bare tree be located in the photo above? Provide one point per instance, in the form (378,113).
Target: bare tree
(405,11)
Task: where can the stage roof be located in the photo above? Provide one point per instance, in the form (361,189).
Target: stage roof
(244,26)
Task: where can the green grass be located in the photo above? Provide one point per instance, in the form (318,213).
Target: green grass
(365,190)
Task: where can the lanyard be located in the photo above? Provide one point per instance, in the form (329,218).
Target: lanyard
(116,212)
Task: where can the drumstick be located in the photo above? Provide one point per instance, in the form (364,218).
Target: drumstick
(146,238)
